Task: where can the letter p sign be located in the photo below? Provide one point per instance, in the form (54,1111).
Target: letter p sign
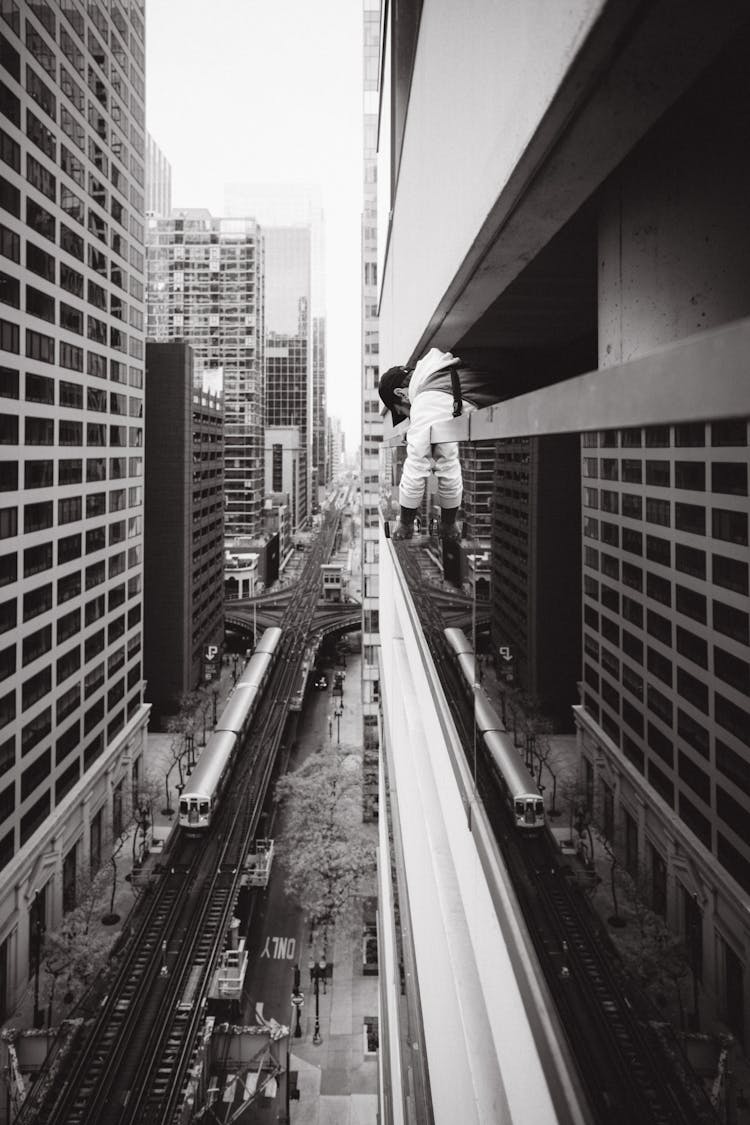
(211,652)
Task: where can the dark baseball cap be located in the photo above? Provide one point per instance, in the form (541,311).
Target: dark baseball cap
(389,381)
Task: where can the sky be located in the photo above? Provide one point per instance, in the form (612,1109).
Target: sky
(270,91)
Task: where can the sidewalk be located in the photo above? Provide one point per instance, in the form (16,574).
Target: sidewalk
(338,1078)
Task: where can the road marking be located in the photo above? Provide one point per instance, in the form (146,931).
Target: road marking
(280,948)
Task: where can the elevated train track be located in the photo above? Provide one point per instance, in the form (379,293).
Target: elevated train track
(136,1039)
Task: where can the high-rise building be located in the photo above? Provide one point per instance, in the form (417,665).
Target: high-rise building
(536,600)
(289,352)
(372,424)
(206,286)
(184,563)
(296,205)
(158,180)
(319,459)
(596,225)
(72,715)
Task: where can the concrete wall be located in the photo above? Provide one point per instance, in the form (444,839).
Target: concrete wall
(474,106)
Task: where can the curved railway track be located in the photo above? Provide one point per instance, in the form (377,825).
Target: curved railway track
(129,1061)
(628,1075)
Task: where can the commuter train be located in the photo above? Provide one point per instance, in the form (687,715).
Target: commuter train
(204,786)
(520,791)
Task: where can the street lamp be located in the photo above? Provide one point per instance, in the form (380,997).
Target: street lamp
(215,694)
(36,932)
(318,973)
(338,713)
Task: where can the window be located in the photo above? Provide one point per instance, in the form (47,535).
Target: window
(729,525)
(657,511)
(71,281)
(10,290)
(632,506)
(690,560)
(40,262)
(658,473)
(69,509)
(71,357)
(40,347)
(690,475)
(70,242)
(729,477)
(38,474)
(36,517)
(730,432)
(40,220)
(68,548)
(10,244)
(40,178)
(732,574)
(690,517)
(693,647)
(690,434)
(40,304)
(10,196)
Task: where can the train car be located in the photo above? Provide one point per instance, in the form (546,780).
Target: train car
(198,800)
(205,784)
(520,791)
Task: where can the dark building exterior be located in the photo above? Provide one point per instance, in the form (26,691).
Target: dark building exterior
(184,563)
(535,573)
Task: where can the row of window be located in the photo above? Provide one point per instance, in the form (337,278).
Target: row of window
(726,523)
(733,574)
(40,516)
(40,304)
(695,435)
(728,477)
(38,644)
(42,347)
(44,431)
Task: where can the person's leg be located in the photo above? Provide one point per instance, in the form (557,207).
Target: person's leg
(449,528)
(404,528)
(450,487)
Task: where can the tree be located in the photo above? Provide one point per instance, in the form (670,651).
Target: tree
(328,853)
(183,727)
(145,797)
(76,952)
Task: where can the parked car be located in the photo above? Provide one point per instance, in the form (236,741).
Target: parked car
(321,683)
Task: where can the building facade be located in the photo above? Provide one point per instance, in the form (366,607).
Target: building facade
(206,286)
(289,347)
(536,598)
(184,563)
(372,425)
(158,180)
(319,465)
(602,237)
(73,719)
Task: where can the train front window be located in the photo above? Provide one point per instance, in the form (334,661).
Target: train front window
(183,807)
(539,805)
(203,807)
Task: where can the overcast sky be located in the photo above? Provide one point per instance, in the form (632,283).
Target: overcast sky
(269,91)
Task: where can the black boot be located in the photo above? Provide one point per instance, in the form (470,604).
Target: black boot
(404,529)
(449,529)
